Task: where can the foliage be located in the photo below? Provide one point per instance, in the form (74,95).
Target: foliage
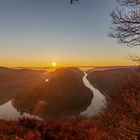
(30,129)
(122,117)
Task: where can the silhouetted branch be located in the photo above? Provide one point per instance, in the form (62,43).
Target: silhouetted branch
(134,58)
(126,23)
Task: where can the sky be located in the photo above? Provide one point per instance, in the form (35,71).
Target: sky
(35,33)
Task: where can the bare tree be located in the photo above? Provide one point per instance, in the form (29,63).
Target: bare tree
(135,58)
(126,25)
(126,22)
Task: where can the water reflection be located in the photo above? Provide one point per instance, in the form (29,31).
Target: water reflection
(47,80)
(8,112)
(98,101)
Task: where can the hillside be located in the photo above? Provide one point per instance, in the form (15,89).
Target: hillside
(121,119)
(110,80)
(13,81)
(64,94)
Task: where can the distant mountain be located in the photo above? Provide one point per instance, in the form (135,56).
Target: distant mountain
(63,94)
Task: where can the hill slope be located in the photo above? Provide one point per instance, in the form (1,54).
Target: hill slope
(13,81)
(64,94)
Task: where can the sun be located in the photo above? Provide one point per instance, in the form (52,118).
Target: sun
(54,64)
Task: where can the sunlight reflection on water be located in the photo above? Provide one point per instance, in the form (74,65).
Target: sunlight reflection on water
(47,80)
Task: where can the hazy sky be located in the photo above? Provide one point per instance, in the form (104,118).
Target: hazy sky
(39,32)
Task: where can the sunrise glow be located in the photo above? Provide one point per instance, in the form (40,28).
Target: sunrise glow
(71,37)
(54,64)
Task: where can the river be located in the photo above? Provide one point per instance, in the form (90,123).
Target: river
(98,102)
(8,112)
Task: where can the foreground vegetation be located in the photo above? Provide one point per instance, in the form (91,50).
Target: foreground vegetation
(121,119)
(27,129)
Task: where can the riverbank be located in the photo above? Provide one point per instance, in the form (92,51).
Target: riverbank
(109,80)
